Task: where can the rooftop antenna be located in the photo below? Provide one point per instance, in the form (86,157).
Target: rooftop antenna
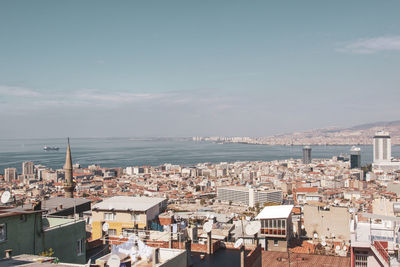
(253,227)
(238,243)
(207,227)
(5,197)
(105,227)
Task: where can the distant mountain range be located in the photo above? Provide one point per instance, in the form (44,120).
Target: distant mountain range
(356,135)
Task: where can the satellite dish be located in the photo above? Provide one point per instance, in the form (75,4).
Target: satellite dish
(238,243)
(323,243)
(302,226)
(113,261)
(315,235)
(253,227)
(105,227)
(5,197)
(337,247)
(207,227)
(344,248)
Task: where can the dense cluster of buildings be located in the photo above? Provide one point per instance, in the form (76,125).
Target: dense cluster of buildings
(329,209)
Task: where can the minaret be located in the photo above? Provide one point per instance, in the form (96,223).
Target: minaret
(69,184)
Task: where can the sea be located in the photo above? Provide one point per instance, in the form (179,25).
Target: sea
(123,152)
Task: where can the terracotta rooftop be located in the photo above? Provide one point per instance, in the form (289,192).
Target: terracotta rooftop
(277,259)
(307,189)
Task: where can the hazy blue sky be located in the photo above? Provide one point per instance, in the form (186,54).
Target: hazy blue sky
(183,68)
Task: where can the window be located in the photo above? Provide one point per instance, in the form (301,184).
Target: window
(135,217)
(79,247)
(275,243)
(109,216)
(3,232)
(112,232)
(127,232)
(361,260)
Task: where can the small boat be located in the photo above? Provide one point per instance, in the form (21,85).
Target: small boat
(202,256)
(51,148)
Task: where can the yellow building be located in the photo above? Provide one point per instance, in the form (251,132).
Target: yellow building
(123,214)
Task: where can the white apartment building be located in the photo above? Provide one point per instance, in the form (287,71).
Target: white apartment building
(248,196)
(383,152)
(10,174)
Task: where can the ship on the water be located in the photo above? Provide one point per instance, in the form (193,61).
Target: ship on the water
(51,148)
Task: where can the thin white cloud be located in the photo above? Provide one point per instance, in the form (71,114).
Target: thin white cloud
(372,45)
(115,97)
(17,91)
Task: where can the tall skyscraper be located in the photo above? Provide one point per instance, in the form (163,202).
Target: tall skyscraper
(307,155)
(382,147)
(355,158)
(27,168)
(69,185)
(10,174)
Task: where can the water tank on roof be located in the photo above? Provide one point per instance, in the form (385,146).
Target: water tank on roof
(396,207)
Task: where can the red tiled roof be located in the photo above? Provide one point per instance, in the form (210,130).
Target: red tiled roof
(307,189)
(278,259)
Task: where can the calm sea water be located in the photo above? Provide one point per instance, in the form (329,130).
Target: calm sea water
(122,152)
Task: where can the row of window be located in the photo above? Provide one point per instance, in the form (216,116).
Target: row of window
(273,227)
(125,232)
(111,217)
(274,224)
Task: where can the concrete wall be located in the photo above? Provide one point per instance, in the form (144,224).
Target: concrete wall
(282,245)
(63,241)
(179,260)
(325,222)
(254,258)
(23,234)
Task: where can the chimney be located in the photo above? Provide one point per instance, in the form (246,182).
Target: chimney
(242,256)
(156,256)
(8,253)
(37,205)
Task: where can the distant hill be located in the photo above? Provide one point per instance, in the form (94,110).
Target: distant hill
(355,135)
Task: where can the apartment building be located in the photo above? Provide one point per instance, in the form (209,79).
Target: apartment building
(10,174)
(28,232)
(276,227)
(124,214)
(248,196)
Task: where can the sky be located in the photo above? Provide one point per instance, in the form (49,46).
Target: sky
(195,68)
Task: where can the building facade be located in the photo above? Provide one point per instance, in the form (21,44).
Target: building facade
(10,174)
(125,214)
(276,227)
(307,155)
(248,196)
(28,232)
(355,158)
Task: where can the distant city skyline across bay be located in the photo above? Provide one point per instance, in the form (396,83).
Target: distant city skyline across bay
(124,152)
(183,68)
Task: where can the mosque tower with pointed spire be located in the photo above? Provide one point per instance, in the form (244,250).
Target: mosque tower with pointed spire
(69,185)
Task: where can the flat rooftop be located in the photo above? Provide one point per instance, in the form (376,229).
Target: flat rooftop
(34,260)
(123,203)
(246,189)
(275,212)
(66,203)
(277,259)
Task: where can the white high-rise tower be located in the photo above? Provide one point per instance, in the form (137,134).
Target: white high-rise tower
(382,148)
